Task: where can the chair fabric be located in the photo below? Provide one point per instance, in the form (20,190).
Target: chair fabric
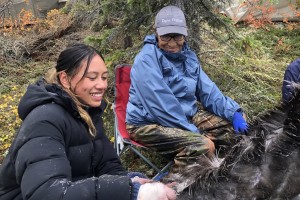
(122,84)
(122,138)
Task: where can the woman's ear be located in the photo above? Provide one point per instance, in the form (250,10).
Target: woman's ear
(64,80)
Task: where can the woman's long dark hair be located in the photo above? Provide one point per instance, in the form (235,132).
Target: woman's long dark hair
(70,61)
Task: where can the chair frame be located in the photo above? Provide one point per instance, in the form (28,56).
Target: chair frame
(122,140)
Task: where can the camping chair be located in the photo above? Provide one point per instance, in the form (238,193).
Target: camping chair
(122,139)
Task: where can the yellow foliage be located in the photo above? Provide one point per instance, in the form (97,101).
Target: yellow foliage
(52,18)
(9,120)
(28,23)
(112,139)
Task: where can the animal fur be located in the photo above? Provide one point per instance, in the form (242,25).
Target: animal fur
(265,164)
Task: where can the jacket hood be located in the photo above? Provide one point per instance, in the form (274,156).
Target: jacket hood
(42,93)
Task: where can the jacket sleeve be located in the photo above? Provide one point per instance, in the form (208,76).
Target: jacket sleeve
(43,169)
(212,98)
(291,75)
(108,160)
(156,96)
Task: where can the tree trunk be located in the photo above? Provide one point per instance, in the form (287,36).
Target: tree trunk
(192,24)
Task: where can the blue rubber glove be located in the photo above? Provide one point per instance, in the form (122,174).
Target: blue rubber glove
(239,123)
(160,176)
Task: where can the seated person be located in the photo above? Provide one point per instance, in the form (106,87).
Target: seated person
(167,84)
(291,76)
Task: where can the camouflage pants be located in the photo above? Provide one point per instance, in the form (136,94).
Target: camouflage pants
(182,145)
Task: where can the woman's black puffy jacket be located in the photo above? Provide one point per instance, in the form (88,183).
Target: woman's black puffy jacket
(54,157)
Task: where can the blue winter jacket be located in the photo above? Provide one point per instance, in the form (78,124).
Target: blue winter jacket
(292,74)
(165,88)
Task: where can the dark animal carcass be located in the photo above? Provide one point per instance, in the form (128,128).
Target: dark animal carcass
(265,164)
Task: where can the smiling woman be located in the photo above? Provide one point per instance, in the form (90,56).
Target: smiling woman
(82,73)
(61,150)
(90,82)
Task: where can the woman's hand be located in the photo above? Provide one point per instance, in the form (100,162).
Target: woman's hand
(156,191)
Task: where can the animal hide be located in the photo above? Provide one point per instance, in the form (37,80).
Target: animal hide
(265,164)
